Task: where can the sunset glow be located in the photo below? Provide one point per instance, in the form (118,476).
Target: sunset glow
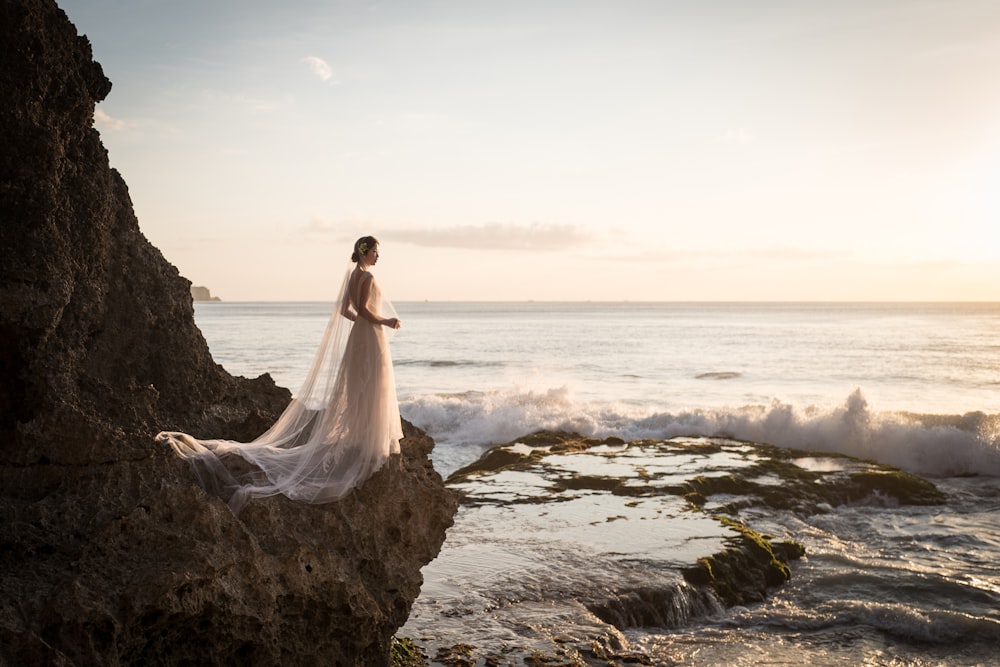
(585,150)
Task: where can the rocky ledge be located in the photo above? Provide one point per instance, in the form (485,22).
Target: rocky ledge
(565,546)
(110,553)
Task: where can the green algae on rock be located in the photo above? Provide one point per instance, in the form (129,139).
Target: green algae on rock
(406,654)
(751,565)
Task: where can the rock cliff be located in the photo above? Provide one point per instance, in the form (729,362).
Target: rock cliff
(110,553)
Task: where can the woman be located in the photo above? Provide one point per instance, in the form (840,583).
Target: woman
(341,426)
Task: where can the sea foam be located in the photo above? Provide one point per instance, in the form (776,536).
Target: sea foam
(934,445)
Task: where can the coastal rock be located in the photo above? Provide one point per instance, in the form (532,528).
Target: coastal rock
(111,553)
(201,293)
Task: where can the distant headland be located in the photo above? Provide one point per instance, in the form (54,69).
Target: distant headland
(199,293)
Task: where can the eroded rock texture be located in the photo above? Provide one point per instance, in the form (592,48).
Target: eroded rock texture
(109,552)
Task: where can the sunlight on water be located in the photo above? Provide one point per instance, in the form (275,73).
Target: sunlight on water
(824,463)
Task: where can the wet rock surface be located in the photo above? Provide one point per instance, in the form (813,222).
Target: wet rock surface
(564,545)
(110,552)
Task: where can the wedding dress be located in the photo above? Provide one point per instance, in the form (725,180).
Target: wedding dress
(337,431)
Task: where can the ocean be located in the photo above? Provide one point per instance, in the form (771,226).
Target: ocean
(912,385)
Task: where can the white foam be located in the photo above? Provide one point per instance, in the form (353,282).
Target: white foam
(945,446)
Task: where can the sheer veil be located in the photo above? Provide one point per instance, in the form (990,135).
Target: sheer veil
(338,429)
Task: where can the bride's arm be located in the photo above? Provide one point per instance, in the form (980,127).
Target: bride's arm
(363,311)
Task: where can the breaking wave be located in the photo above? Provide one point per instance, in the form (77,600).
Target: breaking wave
(934,445)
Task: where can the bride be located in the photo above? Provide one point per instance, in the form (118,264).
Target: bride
(341,426)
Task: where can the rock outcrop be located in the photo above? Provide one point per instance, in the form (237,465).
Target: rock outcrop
(201,293)
(110,553)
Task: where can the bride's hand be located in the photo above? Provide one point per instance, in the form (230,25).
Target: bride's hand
(393,322)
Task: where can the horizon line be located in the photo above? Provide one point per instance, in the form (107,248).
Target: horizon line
(637,301)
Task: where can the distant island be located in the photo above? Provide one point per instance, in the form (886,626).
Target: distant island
(199,293)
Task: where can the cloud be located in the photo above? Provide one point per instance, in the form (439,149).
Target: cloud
(105,121)
(539,237)
(319,67)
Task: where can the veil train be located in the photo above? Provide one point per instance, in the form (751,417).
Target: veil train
(336,432)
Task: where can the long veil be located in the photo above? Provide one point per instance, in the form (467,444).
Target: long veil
(329,439)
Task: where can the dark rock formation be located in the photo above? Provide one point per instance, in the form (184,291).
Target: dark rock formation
(110,553)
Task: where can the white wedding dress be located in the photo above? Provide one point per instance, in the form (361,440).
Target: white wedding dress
(338,430)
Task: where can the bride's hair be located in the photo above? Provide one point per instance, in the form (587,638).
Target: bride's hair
(362,246)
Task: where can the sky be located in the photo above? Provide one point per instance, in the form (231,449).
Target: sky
(667,150)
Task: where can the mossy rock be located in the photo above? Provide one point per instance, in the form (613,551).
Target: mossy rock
(549,438)
(904,487)
(496,459)
(730,484)
(744,571)
(502,456)
(805,490)
(459,655)
(588,482)
(405,653)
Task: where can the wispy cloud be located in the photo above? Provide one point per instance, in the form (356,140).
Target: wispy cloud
(104,121)
(319,67)
(539,237)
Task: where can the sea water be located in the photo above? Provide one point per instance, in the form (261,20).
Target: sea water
(914,385)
